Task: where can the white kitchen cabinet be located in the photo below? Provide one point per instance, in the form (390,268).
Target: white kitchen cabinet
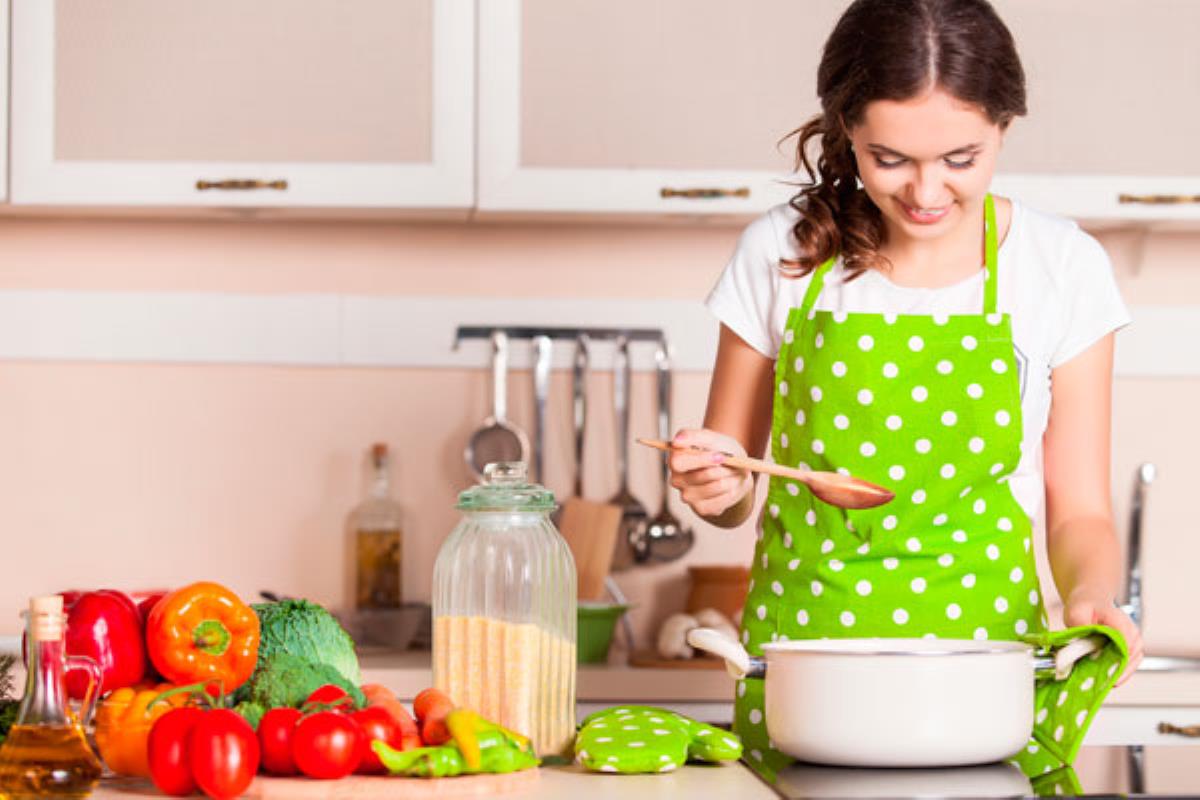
(1114,109)
(227,103)
(3,99)
(600,107)
(604,107)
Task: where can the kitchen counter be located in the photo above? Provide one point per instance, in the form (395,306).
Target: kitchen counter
(600,685)
(1111,771)
(687,783)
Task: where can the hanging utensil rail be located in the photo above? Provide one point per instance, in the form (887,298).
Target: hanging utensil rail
(532,332)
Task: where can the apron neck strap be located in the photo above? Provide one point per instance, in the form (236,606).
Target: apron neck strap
(990,249)
(815,285)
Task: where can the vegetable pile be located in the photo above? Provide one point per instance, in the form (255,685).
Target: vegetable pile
(203,691)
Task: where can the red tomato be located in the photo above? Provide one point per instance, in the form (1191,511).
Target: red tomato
(333,696)
(327,745)
(224,754)
(168,750)
(275,740)
(376,723)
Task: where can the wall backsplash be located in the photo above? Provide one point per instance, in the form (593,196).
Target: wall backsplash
(147,475)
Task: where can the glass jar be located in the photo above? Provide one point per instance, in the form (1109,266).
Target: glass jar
(504,610)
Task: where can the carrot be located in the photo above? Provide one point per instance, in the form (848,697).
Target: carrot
(431,707)
(385,698)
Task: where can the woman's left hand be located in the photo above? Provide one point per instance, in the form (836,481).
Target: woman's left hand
(1082,609)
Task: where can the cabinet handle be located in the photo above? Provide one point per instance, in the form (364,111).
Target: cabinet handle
(1159,199)
(239,184)
(704,194)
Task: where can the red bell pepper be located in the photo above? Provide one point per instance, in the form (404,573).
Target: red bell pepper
(105,626)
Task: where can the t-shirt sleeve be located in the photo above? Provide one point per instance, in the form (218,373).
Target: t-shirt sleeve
(745,293)
(1092,305)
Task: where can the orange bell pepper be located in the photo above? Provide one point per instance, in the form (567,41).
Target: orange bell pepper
(123,722)
(203,632)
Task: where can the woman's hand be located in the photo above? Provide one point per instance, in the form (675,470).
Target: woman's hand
(711,489)
(1086,608)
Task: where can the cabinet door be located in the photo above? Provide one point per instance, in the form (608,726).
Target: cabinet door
(607,107)
(229,103)
(1114,108)
(598,107)
(3,99)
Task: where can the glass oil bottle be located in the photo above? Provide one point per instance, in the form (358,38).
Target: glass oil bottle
(46,753)
(378,541)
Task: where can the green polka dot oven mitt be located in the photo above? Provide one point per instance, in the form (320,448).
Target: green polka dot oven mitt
(1065,706)
(637,739)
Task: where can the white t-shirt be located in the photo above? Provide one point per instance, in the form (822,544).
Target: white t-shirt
(1055,281)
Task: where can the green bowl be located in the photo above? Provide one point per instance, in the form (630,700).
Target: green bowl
(596,622)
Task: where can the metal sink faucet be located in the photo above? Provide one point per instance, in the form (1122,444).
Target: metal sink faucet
(1132,606)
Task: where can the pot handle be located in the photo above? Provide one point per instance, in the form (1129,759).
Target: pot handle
(738,663)
(1063,661)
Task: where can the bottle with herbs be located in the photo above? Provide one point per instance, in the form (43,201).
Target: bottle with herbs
(378,540)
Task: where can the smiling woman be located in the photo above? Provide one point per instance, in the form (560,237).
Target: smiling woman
(897,322)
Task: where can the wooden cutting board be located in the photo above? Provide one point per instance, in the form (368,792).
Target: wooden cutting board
(365,787)
(648,659)
(590,529)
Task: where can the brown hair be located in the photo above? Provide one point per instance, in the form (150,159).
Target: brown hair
(890,50)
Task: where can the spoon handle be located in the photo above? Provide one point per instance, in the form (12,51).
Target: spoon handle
(741,462)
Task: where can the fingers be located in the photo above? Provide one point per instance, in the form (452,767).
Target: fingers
(1079,613)
(708,440)
(696,471)
(1116,618)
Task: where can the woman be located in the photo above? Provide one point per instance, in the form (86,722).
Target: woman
(860,333)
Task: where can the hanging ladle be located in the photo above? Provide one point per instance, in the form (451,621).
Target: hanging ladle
(497,439)
(664,537)
(843,491)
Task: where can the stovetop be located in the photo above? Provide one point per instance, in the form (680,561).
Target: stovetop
(1130,771)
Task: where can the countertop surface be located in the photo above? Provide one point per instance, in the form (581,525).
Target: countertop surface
(687,783)
(1106,771)
(408,672)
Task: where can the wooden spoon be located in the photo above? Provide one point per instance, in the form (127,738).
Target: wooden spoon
(843,491)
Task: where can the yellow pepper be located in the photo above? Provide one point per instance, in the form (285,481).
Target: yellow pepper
(123,723)
(465,726)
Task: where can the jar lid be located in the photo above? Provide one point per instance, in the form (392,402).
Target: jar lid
(505,488)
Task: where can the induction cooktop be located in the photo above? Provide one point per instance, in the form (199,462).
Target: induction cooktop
(1129,771)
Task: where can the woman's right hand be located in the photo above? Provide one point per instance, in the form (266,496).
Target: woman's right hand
(708,486)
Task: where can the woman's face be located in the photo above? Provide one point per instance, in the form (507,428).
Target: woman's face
(927,162)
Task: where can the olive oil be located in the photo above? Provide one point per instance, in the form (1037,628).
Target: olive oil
(46,753)
(378,541)
(47,761)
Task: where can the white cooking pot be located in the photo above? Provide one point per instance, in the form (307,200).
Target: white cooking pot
(896,702)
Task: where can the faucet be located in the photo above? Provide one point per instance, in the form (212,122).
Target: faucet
(1143,477)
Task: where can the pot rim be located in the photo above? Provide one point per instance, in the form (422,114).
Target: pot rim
(897,647)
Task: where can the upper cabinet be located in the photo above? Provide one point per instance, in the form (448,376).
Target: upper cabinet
(642,107)
(1114,109)
(666,106)
(677,106)
(229,103)
(3,99)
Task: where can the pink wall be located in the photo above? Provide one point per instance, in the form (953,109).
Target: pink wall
(151,475)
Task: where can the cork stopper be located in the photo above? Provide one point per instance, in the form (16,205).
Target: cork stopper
(46,617)
(379,454)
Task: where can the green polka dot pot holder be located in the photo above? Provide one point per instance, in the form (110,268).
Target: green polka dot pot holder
(1064,707)
(639,739)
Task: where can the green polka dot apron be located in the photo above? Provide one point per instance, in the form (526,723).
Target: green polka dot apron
(930,407)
